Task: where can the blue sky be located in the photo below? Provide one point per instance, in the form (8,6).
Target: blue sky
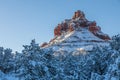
(24,20)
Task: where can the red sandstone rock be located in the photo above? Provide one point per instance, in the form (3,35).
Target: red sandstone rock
(78,14)
(57,30)
(53,39)
(94,28)
(104,37)
(44,44)
(93,23)
(71,28)
(82,22)
(61,27)
(64,26)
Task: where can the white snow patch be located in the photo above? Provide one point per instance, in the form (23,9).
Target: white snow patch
(86,48)
(7,76)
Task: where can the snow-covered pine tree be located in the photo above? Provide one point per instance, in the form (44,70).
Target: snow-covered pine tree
(115,43)
(1,58)
(8,60)
(34,63)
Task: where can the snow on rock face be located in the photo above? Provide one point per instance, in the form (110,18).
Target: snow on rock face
(79,21)
(78,40)
(73,34)
(7,77)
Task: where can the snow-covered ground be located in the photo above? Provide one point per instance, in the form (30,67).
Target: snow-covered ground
(81,39)
(7,76)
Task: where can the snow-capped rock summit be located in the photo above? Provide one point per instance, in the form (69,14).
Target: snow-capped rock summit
(76,33)
(78,22)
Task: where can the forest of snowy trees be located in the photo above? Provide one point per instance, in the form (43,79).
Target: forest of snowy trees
(35,63)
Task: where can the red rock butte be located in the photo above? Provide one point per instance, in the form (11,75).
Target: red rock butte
(78,20)
(78,23)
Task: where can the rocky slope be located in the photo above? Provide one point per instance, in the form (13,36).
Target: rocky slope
(77,33)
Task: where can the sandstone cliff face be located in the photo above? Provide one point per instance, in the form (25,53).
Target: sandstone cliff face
(79,21)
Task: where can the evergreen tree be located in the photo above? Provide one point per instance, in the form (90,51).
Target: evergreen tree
(115,43)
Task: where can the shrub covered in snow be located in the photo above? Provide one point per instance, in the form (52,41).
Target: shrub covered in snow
(115,44)
(34,63)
